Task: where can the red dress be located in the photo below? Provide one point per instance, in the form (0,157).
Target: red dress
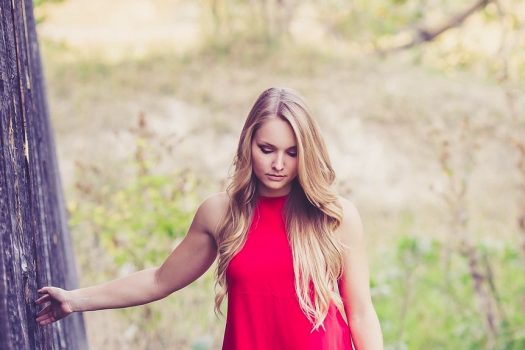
(263,308)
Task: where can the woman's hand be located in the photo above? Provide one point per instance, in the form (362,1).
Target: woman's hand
(59,307)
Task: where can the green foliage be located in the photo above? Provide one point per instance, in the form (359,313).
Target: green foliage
(131,218)
(37,3)
(139,220)
(142,220)
(39,12)
(425,298)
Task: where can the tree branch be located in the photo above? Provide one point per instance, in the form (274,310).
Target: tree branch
(423,35)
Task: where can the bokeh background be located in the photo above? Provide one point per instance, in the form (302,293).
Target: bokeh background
(421,102)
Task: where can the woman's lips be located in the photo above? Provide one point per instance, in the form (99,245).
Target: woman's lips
(275,177)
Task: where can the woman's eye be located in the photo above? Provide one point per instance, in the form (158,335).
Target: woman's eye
(267,150)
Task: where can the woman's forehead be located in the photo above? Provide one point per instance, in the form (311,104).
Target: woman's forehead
(276,132)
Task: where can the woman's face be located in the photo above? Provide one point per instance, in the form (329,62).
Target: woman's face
(274,157)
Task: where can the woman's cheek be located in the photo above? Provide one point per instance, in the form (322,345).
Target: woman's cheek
(259,164)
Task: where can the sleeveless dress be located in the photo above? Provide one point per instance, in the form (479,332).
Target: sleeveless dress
(263,308)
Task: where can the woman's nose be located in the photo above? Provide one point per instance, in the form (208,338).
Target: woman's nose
(278,163)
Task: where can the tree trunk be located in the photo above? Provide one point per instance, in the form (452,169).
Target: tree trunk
(35,247)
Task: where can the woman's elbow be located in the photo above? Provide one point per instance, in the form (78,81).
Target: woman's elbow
(160,289)
(363,313)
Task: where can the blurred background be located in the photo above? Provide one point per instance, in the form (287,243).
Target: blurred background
(421,102)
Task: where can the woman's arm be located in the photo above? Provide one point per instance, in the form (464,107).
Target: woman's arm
(187,262)
(354,284)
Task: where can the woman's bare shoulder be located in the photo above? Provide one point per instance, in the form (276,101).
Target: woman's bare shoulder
(346,204)
(351,226)
(212,210)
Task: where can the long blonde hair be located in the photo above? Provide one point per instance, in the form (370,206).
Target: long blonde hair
(313,211)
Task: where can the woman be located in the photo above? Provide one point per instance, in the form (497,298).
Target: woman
(286,243)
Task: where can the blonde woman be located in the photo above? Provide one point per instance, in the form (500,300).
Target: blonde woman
(291,252)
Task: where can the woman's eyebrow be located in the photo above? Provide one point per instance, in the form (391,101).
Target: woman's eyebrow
(264,143)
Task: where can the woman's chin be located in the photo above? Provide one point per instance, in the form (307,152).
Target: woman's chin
(274,188)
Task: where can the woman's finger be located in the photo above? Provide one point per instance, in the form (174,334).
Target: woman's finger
(43,298)
(43,290)
(43,311)
(43,318)
(46,322)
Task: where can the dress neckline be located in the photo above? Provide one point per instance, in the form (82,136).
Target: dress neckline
(273,198)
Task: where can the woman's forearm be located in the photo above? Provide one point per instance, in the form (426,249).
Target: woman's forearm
(135,289)
(366,331)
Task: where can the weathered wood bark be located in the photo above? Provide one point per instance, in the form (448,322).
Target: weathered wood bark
(35,248)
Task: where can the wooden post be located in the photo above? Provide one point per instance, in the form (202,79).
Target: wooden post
(35,249)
